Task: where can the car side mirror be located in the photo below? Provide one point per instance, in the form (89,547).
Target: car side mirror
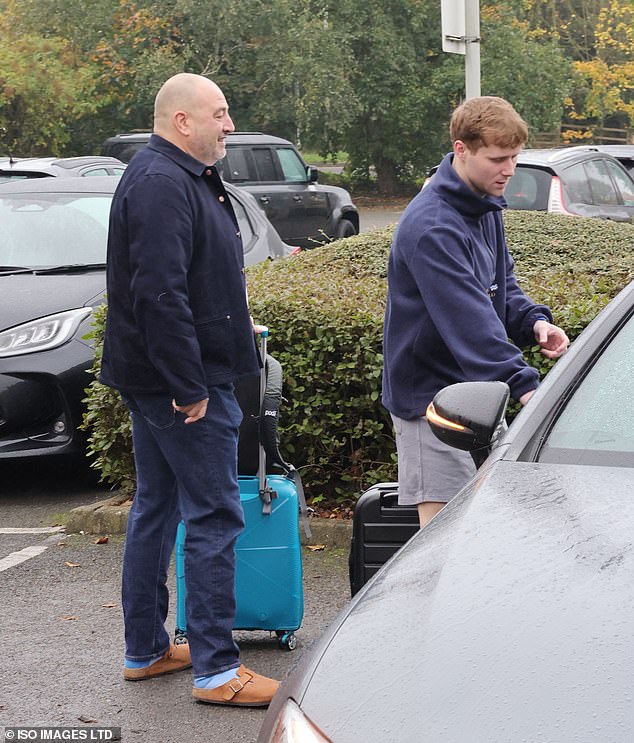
(469,416)
(312,173)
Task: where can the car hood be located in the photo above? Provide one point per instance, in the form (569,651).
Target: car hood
(509,618)
(25,297)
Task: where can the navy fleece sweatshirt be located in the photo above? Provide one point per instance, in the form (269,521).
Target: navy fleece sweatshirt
(453,300)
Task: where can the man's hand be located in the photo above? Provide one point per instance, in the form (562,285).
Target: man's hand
(257,329)
(194,411)
(552,339)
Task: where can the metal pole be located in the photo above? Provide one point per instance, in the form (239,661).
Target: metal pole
(472,52)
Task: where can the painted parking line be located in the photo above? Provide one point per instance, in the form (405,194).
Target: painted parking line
(31,530)
(15,558)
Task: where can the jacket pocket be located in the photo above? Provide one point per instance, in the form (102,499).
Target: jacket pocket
(216,340)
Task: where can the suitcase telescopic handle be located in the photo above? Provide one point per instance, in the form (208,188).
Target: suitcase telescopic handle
(267,494)
(264,334)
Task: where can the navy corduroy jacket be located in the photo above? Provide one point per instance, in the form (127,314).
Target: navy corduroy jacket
(178,319)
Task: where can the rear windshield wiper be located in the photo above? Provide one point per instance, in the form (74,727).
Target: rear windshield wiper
(70,268)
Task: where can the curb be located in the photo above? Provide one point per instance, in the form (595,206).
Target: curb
(110,516)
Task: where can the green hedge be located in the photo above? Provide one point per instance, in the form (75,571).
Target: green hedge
(325,309)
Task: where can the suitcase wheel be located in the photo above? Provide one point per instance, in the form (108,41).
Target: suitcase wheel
(180,637)
(286,640)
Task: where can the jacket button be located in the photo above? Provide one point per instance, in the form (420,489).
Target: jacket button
(207,172)
(221,199)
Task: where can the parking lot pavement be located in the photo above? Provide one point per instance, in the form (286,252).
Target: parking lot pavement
(373,218)
(63,649)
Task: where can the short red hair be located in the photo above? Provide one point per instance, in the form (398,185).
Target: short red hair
(488,120)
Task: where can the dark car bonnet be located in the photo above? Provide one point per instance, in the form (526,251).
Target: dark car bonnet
(509,618)
(34,295)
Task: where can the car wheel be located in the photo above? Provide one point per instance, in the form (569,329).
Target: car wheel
(345,228)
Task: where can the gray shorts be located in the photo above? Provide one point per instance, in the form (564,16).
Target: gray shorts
(428,469)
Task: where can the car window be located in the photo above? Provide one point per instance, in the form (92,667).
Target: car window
(576,185)
(595,426)
(123,150)
(51,229)
(96,171)
(246,230)
(264,164)
(235,165)
(623,183)
(528,189)
(292,167)
(601,184)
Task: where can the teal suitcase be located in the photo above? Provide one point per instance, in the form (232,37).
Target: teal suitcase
(269,589)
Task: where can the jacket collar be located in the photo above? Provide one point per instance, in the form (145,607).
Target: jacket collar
(189,163)
(455,191)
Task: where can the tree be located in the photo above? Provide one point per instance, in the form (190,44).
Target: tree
(143,49)
(604,85)
(513,52)
(45,86)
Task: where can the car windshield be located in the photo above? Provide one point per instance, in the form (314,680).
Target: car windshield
(50,229)
(595,426)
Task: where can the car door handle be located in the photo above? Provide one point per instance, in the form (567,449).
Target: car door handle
(264,200)
(297,198)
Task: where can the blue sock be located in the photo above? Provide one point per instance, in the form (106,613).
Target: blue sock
(213,682)
(142,663)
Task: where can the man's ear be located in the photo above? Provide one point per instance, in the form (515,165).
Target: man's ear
(459,149)
(181,122)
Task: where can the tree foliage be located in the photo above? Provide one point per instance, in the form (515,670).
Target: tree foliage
(604,91)
(366,78)
(45,86)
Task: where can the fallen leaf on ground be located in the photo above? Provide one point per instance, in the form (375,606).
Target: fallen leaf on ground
(85,718)
(69,617)
(111,605)
(101,540)
(316,547)
(72,564)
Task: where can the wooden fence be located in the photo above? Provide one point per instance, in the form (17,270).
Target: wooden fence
(579,134)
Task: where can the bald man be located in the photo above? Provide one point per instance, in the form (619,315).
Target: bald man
(178,336)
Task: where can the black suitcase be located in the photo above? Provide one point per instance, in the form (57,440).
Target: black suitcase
(380,527)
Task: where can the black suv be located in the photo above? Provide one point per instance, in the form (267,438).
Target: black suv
(572,180)
(304,212)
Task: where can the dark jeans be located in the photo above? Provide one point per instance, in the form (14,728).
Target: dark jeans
(189,472)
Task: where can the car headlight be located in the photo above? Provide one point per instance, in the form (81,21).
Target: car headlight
(40,335)
(294,727)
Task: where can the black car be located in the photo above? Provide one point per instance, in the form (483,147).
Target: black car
(304,212)
(572,180)
(18,168)
(53,234)
(510,616)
